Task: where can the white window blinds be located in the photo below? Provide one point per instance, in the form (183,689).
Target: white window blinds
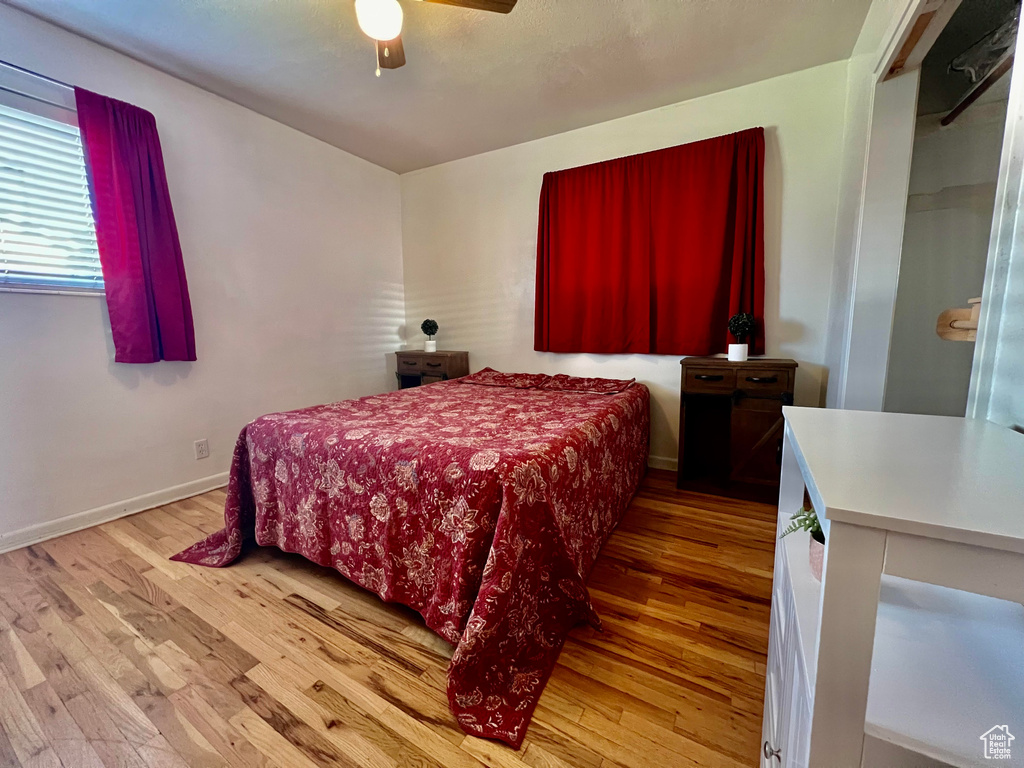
(47,233)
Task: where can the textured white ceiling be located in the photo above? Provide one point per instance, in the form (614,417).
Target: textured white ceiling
(475,81)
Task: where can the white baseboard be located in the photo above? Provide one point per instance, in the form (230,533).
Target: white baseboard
(51,529)
(662,462)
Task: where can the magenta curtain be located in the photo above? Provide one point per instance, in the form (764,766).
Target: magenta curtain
(143,271)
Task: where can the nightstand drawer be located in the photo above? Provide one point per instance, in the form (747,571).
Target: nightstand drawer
(764,381)
(411,363)
(416,368)
(711,379)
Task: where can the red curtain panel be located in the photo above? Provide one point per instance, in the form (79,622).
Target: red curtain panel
(653,253)
(143,270)
(593,294)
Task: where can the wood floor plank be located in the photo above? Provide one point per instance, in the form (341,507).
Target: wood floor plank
(272,744)
(538,757)
(112,655)
(45,759)
(660,744)
(344,714)
(492,753)
(8,758)
(177,734)
(120,708)
(93,719)
(228,742)
(401,723)
(19,723)
(58,599)
(144,547)
(159,754)
(299,733)
(60,729)
(24,671)
(349,742)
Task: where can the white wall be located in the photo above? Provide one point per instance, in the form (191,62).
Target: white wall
(293,254)
(470,232)
(880,240)
(945,247)
(859,96)
(884,20)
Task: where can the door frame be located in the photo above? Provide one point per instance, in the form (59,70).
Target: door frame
(863,360)
(1002,272)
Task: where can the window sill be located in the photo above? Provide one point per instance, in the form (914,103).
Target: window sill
(54,291)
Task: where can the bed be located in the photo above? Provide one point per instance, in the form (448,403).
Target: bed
(482,503)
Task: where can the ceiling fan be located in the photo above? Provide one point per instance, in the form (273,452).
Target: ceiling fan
(381,20)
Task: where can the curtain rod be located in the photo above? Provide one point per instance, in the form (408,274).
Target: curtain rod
(23,70)
(40,99)
(33,96)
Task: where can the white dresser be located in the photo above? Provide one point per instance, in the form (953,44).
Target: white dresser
(911,648)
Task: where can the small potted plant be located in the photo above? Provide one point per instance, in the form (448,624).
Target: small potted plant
(429,328)
(741,326)
(807,520)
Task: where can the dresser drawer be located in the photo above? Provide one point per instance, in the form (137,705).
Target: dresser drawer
(764,381)
(710,379)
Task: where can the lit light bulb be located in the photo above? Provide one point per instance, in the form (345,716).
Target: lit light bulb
(379,19)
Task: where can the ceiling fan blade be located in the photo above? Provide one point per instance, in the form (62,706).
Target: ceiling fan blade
(391,53)
(497,6)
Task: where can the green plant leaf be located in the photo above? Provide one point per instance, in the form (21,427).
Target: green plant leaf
(804,520)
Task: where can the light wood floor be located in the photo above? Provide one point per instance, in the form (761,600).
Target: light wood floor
(112,655)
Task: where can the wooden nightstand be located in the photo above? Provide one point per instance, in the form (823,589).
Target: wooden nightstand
(730,425)
(418,368)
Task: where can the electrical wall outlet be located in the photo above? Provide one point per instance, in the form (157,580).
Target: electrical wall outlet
(202,449)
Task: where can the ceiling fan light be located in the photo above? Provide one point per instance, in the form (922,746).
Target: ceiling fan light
(379,19)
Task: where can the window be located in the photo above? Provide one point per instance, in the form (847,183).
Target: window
(47,233)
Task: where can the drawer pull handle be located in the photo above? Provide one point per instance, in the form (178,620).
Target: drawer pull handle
(408,362)
(763,379)
(769,753)
(707,377)
(434,365)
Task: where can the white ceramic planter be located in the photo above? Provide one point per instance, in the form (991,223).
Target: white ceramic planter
(738,353)
(430,346)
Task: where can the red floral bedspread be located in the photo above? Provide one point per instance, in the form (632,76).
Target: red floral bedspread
(482,507)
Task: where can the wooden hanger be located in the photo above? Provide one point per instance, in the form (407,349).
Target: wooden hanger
(959,323)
